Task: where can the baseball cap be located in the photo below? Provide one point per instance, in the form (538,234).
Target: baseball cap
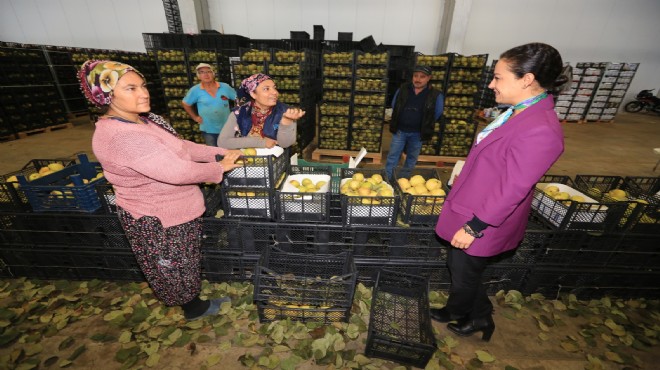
(203,65)
(423,69)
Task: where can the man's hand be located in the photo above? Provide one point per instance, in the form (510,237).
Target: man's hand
(198,119)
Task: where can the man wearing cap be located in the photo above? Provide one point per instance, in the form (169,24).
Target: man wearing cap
(212,99)
(416,107)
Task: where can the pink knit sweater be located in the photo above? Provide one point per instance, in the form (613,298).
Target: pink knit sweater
(153,172)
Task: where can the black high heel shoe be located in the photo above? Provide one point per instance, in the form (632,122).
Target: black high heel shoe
(467,327)
(443,315)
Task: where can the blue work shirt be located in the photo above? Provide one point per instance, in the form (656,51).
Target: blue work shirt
(213,109)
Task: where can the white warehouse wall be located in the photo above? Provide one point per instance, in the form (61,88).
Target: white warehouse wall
(411,22)
(582,31)
(100,24)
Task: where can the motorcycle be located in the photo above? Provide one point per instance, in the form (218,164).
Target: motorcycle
(645,100)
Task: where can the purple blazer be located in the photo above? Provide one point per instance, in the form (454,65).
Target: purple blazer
(497,180)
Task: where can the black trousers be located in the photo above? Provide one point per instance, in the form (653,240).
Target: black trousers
(467,294)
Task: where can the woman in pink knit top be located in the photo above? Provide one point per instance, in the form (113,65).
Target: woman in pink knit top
(155,176)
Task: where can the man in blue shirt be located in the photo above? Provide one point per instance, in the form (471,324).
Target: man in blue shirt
(416,108)
(212,99)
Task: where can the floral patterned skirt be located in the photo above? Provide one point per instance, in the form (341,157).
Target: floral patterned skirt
(170,258)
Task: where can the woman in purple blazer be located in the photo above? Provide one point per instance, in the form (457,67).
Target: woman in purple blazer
(486,212)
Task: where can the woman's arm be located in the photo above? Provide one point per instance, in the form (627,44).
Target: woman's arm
(227,140)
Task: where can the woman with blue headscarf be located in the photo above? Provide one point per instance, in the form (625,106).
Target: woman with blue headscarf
(262,122)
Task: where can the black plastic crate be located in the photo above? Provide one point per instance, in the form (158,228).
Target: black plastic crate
(420,209)
(593,283)
(299,35)
(637,185)
(244,202)
(637,252)
(166,40)
(436,271)
(223,267)
(297,206)
(12,198)
(260,171)
(53,264)
(304,287)
(597,186)
(221,235)
(400,326)
(368,210)
(65,231)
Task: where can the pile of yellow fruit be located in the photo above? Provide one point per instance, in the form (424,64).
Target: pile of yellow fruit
(307,185)
(43,171)
(553,192)
(373,186)
(417,185)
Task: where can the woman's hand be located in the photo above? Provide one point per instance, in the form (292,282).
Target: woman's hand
(292,114)
(229,161)
(270,142)
(462,240)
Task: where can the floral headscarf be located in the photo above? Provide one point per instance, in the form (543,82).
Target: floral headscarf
(249,85)
(99,77)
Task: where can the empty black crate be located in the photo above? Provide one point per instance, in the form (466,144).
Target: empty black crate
(399,324)
(299,35)
(304,287)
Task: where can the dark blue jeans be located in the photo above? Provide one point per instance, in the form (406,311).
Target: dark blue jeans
(210,139)
(411,142)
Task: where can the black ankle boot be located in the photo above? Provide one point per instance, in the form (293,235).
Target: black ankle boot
(443,315)
(467,327)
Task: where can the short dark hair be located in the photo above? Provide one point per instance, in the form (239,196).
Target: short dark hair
(539,59)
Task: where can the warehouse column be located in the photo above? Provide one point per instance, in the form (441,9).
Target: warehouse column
(455,17)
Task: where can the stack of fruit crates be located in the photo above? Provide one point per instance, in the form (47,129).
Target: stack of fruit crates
(173,70)
(248,191)
(439,65)
(572,104)
(458,123)
(335,108)
(369,95)
(400,326)
(295,75)
(611,90)
(251,61)
(304,287)
(367,198)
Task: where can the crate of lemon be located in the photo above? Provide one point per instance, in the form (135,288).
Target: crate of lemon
(366,198)
(12,198)
(304,287)
(567,208)
(305,195)
(260,168)
(422,196)
(58,188)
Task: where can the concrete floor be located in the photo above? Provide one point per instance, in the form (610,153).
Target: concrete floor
(620,148)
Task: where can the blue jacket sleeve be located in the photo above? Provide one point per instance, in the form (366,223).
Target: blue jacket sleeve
(439,106)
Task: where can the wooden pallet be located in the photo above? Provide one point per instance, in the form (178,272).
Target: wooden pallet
(434,160)
(24,134)
(337,156)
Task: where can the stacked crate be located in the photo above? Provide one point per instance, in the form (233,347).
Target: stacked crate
(369,95)
(335,108)
(295,74)
(439,65)
(458,123)
(572,104)
(28,93)
(173,70)
(611,90)
(487,96)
